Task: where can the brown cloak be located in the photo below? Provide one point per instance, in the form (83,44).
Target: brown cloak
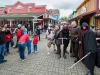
(80,49)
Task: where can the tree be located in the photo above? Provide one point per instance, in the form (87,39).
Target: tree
(64,18)
(70,16)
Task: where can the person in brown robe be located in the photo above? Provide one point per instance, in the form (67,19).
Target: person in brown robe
(76,47)
(58,42)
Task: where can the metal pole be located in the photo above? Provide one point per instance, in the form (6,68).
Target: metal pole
(33,25)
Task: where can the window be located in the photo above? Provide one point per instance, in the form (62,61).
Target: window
(29,9)
(19,7)
(9,10)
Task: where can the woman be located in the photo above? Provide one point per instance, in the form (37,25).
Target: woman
(58,41)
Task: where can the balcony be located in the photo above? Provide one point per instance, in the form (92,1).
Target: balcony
(49,16)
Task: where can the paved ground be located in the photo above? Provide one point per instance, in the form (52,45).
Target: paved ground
(41,63)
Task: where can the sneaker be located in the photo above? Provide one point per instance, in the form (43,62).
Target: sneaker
(3,61)
(35,52)
(32,52)
(22,60)
(14,47)
(48,52)
(17,50)
(8,52)
(25,57)
(5,54)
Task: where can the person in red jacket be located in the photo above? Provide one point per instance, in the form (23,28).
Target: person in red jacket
(22,45)
(35,42)
(18,34)
(8,39)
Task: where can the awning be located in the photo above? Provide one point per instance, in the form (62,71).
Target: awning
(14,16)
(97,15)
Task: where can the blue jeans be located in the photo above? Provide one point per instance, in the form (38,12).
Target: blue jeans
(21,47)
(29,49)
(17,42)
(39,37)
(29,33)
(35,48)
(12,42)
(2,50)
(7,47)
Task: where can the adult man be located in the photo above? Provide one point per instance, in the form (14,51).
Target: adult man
(97,33)
(38,32)
(18,34)
(2,45)
(76,41)
(65,35)
(90,45)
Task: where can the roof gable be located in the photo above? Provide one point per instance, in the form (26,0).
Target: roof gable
(17,3)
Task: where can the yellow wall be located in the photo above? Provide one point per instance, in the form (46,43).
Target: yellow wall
(90,6)
(91,21)
(98,22)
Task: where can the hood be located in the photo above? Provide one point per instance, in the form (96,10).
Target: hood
(85,24)
(26,35)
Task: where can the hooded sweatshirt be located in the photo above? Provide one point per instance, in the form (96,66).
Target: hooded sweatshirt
(24,38)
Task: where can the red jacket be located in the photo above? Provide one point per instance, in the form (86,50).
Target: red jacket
(19,33)
(8,37)
(24,38)
(35,40)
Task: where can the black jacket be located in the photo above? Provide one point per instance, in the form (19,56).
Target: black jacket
(90,45)
(2,38)
(65,34)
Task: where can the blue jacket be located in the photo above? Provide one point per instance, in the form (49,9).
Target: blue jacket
(29,42)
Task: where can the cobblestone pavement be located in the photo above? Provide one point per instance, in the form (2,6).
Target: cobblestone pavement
(41,63)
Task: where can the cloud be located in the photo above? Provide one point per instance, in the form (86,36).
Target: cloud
(65,6)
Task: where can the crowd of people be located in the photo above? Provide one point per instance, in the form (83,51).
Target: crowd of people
(82,41)
(23,35)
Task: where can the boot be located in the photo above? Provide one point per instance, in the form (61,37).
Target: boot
(54,49)
(67,52)
(90,73)
(59,56)
(76,59)
(64,56)
(73,55)
(56,53)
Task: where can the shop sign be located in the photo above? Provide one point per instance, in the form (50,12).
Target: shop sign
(83,10)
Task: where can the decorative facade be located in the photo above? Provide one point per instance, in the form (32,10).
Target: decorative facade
(25,12)
(88,11)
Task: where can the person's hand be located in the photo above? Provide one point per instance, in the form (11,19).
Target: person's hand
(79,42)
(97,38)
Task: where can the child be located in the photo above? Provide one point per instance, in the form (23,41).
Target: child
(35,42)
(50,41)
(22,45)
(8,39)
(29,45)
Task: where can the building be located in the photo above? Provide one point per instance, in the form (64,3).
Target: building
(56,14)
(88,11)
(21,12)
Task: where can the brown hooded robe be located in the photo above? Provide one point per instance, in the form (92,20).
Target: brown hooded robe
(80,48)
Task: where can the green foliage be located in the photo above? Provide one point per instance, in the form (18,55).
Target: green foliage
(64,18)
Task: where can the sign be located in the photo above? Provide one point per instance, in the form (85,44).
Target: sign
(83,10)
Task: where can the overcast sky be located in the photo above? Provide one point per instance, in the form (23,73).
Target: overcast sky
(65,6)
